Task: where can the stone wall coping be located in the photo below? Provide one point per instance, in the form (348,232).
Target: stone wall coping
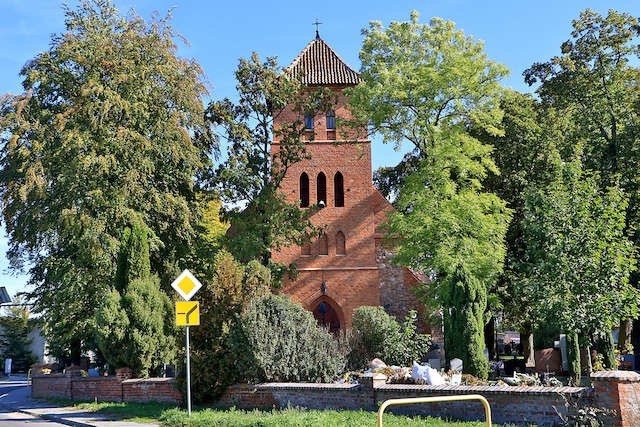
(619,376)
(307,386)
(449,389)
(497,389)
(110,377)
(149,380)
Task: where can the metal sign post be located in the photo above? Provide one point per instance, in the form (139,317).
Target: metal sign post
(187,314)
(188,377)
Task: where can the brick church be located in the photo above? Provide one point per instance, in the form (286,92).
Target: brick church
(347,267)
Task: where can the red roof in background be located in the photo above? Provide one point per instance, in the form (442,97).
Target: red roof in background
(319,64)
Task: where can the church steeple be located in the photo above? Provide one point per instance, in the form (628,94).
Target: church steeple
(319,64)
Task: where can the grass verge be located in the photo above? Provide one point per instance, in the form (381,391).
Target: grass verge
(170,416)
(297,417)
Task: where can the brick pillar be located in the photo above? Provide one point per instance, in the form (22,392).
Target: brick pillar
(619,391)
(368,385)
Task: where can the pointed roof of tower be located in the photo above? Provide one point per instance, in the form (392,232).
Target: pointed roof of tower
(319,64)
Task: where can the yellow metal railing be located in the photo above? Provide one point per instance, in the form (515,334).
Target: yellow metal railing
(412,400)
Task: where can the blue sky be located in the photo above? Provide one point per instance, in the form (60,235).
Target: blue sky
(516,33)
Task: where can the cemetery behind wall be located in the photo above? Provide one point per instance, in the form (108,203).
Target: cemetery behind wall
(617,391)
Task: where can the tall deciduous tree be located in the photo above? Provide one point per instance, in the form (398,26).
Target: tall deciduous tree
(108,132)
(427,84)
(249,180)
(524,154)
(575,269)
(595,81)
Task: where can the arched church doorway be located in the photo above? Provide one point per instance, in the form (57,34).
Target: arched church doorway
(326,315)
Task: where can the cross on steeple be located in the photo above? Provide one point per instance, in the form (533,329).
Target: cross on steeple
(317,24)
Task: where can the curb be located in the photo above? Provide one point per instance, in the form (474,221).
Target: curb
(56,419)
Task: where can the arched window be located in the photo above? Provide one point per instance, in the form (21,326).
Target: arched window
(321,186)
(323,245)
(331,120)
(327,316)
(341,248)
(338,190)
(308,121)
(304,190)
(306,250)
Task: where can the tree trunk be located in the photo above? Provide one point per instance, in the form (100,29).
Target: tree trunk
(573,357)
(605,346)
(490,337)
(75,352)
(624,339)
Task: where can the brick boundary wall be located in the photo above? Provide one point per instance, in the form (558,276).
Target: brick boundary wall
(618,391)
(615,390)
(538,405)
(106,389)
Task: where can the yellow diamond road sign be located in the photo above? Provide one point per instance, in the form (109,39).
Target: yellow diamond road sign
(186,285)
(187,313)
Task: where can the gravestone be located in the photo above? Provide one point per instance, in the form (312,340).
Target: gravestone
(563,352)
(455,365)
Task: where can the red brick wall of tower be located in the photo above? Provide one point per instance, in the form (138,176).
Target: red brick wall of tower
(352,279)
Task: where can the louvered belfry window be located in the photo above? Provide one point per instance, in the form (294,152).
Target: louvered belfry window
(321,186)
(338,190)
(304,190)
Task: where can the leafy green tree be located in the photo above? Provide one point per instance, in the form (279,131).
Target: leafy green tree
(108,132)
(523,154)
(577,261)
(427,84)
(134,324)
(211,237)
(422,80)
(249,181)
(595,82)
(225,293)
(14,338)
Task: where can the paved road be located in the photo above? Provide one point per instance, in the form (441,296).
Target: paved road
(18,408)
(10,394)
(18,419)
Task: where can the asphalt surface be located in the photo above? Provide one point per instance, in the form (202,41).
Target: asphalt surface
(18,408)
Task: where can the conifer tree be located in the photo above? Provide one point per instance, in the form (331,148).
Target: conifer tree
(134,323)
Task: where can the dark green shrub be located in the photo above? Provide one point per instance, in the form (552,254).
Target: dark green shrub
(278,340)
(376,334)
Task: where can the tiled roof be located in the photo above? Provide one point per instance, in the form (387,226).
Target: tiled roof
(319,64)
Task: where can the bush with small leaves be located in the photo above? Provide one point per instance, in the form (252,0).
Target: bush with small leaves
(376,334)
(276,339)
